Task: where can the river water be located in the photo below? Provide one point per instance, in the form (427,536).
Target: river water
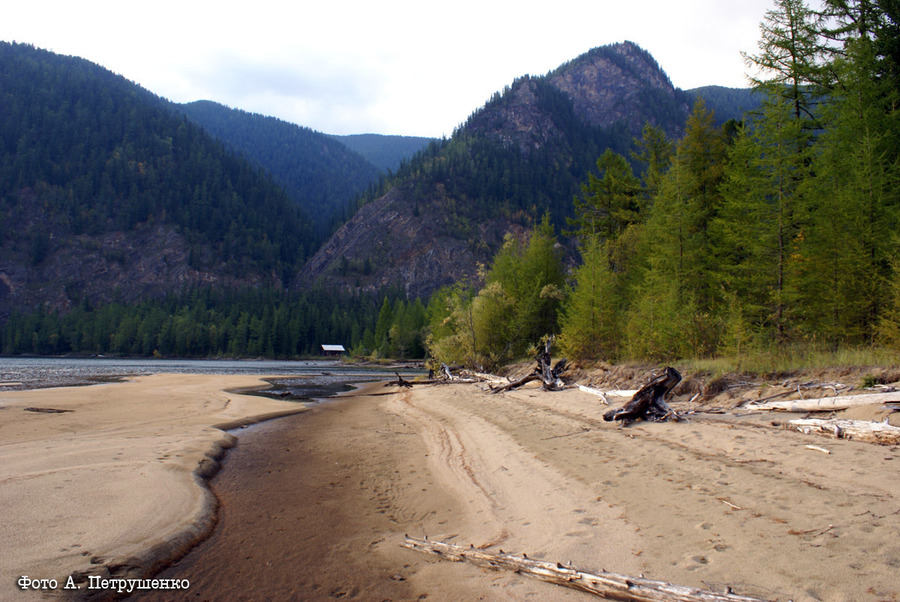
(298,380)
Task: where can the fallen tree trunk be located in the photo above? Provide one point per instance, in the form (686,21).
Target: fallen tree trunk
(608,585)
(825,404)
(516,383)
(857,430)
(649,402)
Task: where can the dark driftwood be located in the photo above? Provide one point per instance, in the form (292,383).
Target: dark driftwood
(607,585)
(649,402)
(516,383)
(549,374)
(400,382)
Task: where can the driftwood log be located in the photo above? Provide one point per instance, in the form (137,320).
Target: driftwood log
(608,585)
(825,404)
(549,374)
(858,430)
(649,402)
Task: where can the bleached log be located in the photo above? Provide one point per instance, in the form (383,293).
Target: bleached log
(485,377)
(610,393)
(858,430)
(607,585)
(825,404)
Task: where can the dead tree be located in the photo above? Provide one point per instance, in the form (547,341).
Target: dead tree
(549,374)
(649,402)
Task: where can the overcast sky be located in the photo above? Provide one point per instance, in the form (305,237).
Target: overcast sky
(411,67)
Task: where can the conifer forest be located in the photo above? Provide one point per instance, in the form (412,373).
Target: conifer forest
(777,231)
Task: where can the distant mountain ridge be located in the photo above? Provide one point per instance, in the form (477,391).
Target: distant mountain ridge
(319,173)
(106,194)
(109,192)
(525,152)
(383,151)
(729,103)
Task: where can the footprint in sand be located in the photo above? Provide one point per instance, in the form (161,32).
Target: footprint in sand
(693,562)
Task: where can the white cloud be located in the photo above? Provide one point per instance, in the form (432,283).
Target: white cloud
(394,67)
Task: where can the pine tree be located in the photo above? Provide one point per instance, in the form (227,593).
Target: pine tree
(654,151)
(789,51)
(848,248)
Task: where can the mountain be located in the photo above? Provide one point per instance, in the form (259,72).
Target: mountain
(384,152)
(524,153)
(106,193)
(728,103)
(318,172)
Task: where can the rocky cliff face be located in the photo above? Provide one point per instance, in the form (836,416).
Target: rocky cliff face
(397,241)
(622,83)
(59,268)
(421,244)
(613,86)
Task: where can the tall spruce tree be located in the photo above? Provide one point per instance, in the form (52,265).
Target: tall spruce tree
(790,49)
(608,202)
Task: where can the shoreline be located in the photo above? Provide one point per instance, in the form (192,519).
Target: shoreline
(316,506)
(115,481)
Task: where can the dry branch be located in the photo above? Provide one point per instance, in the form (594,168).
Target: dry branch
(608,585)
(516,383)
(858,430)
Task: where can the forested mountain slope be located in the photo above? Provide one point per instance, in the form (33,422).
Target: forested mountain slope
(318,172)
(106,193)
(729,103)
(384,152)
(525,152)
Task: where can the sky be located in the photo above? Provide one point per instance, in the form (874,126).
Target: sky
(406,67)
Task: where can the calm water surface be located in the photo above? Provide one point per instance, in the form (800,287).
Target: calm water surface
(293,379)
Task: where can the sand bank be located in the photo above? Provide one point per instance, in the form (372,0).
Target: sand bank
(110,481)
(315,507)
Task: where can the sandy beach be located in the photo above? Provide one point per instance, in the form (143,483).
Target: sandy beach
(315,506)
(109,480)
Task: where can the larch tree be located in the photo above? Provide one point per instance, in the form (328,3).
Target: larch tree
(589,323)
(608,201)
(761,216)
(680,285)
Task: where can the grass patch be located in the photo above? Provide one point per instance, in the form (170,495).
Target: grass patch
(793,359)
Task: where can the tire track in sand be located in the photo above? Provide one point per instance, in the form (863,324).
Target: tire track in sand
(513,499)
